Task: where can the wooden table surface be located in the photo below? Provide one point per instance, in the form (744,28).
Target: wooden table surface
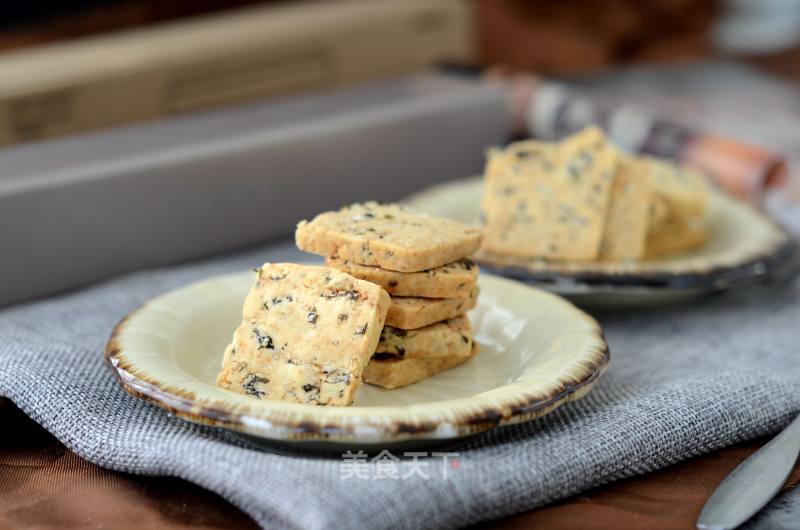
(44,485)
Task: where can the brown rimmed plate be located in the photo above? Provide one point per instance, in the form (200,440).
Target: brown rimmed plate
(538,351)
(744,247)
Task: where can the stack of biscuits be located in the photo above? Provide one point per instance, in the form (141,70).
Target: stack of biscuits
(582,199)
(422,263)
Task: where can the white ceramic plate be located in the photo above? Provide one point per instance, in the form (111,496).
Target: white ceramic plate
(537,352)
(743,247)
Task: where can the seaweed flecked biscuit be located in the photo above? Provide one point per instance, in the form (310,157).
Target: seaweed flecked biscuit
(518,157)
(551,204)
(630,211)
(684,191)
(677,221)
(306,335)
(450,337)
(658,212)
(453,280)
(410,312)
(676,235)
(387,236)
(390,371)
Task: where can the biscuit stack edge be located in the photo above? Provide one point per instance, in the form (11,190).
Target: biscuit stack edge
(423,263)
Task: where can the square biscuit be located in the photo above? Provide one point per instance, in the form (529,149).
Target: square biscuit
(387,236)
(390,371)
(521,157)
(306,335)
(453,280)
(411,312)
(683,191)
(675,235)
(553,204)
(629,213)
(658,212)
(449,337)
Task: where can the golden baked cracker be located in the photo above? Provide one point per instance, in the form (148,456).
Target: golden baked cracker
(676,235)
(684,191)
(449,337)
(454,280)
(306,335)
(390,371)
(521,157)
(388,236)
(658,212)
(678,208)
(628,219)
(554,211)
(411,312)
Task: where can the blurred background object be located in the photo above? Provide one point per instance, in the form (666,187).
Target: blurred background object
(175,109)
(758,26)
(571,36)
(696,113)
(112,201)
(29,23)
(67,66)
(238,55)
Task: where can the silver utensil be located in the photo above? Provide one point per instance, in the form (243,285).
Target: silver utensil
(753,483)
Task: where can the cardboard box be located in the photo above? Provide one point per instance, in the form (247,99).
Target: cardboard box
(79,209)
(215,60)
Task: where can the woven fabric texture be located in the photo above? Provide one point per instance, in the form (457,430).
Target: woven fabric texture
(683,380)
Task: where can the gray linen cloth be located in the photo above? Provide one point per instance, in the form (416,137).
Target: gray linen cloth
(683,381)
